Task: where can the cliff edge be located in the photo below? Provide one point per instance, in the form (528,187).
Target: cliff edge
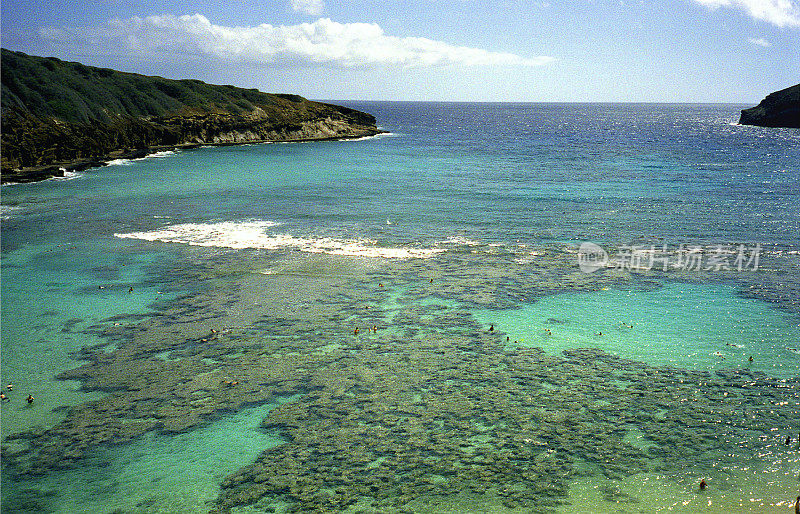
(59,115)
(779,109)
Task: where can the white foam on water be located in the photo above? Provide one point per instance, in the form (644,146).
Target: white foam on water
(165,153)
(7,211)
(68,175)
(119,162)
(254,234)
(459,240)
(154,155)
(367,138)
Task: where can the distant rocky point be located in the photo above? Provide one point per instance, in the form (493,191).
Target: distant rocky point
(62,116)
(779,109)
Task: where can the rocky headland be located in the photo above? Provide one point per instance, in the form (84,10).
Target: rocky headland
(62,116)
(779,109)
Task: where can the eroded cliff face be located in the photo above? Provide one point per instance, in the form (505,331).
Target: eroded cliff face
(779,109)
(222,129)
(59,116)
(35,149)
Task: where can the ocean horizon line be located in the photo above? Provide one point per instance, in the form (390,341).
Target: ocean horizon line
(534,102)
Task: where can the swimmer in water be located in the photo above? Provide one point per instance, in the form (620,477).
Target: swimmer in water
(355,332)
(750,359)
(491,328)
(702,484)
(30,398)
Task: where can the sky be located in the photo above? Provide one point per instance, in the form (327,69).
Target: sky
(733,51)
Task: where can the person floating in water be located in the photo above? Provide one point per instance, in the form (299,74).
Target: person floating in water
(702,484)
(3,397)
(30,398)
(10,387)
(491,328)
(750,359)
(355,332)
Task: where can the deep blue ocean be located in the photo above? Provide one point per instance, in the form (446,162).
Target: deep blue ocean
(462,211)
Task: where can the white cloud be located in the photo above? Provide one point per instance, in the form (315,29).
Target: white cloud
(759,42)
(782,13)
(313,7)
(323,41)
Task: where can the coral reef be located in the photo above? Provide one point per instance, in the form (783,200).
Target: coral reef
(428,406)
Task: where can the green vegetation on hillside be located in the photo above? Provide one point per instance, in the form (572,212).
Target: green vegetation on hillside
(56,112)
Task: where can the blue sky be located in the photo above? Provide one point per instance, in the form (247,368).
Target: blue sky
(464,50)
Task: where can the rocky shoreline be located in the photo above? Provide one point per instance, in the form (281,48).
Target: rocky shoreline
(61,169)
(778,109)
(61,117)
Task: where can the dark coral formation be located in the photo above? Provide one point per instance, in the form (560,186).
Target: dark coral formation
(427,407)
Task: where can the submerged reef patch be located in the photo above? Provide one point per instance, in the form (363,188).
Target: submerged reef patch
(405,400)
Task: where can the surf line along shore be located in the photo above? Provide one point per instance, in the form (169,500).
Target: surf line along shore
(62,169)
(104,115)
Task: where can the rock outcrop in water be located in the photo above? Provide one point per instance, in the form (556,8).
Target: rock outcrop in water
(60,116)
(779,109)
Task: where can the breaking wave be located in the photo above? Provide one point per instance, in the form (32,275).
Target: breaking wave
(255,234)
(128,162)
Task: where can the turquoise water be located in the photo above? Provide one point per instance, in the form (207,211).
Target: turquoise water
(180,473)
(168,278)
(702,327)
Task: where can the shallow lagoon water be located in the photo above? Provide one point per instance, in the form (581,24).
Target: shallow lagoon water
(696,326)
(179,473)
(440,412)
